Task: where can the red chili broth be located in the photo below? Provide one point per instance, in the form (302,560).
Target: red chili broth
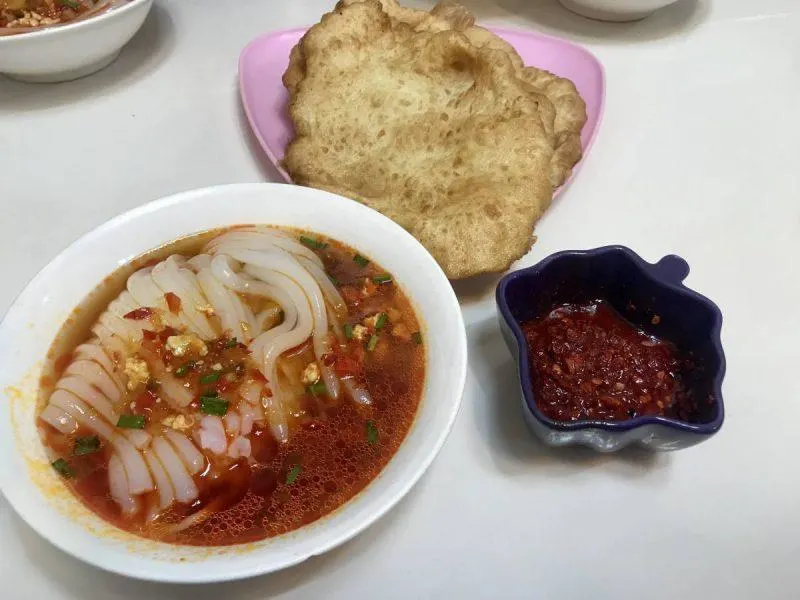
(329,455)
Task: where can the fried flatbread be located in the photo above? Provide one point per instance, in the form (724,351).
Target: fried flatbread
(433,131)
(563,117)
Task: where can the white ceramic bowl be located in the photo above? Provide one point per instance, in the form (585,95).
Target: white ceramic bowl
(73,50)
(36,492)
(615,10)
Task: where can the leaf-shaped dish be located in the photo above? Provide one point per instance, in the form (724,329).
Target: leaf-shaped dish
(639,290)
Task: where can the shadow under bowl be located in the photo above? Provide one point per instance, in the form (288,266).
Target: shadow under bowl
(639,291)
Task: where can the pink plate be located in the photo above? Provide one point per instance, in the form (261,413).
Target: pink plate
(263,62)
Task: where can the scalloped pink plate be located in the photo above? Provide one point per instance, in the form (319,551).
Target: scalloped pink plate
(263,62)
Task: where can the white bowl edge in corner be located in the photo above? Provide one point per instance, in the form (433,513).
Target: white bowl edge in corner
(73,50)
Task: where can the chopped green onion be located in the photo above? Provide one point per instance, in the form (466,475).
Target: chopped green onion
(183,370)
(86,445)
(372,432)
(360,261)
(70,4)
(312,243)
(333,279)
(212,405)
(131,422)
(348,331)
(373,341)
(381,320)
(384,278)
(417,337)
(318,388)
(293,473)
(232,343)
(63,468)
(210,377)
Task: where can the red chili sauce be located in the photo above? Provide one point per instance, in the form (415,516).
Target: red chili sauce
(588,363)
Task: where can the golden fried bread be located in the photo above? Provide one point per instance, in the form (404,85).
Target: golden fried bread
(297,68)
(568,111)
(570,117)
(563,120)
(435,132)
(444,16)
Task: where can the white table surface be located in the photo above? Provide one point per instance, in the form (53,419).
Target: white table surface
(697,155)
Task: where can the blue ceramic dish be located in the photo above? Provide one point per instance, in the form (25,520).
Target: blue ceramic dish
(639,291)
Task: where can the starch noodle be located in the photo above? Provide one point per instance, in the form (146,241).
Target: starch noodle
(258,285)
(192,457)
(185,488)
(119,487)
(139,480)
(59,419)
(94,374)
(166,491)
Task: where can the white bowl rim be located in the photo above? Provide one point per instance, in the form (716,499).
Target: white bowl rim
(74,25)
(182,574)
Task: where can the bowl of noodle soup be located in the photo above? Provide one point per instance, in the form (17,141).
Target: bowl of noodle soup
(44,41)
(225,382)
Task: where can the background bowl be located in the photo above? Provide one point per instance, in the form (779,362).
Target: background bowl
(65,52)
(615,10)
(637,290)
(34,489)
